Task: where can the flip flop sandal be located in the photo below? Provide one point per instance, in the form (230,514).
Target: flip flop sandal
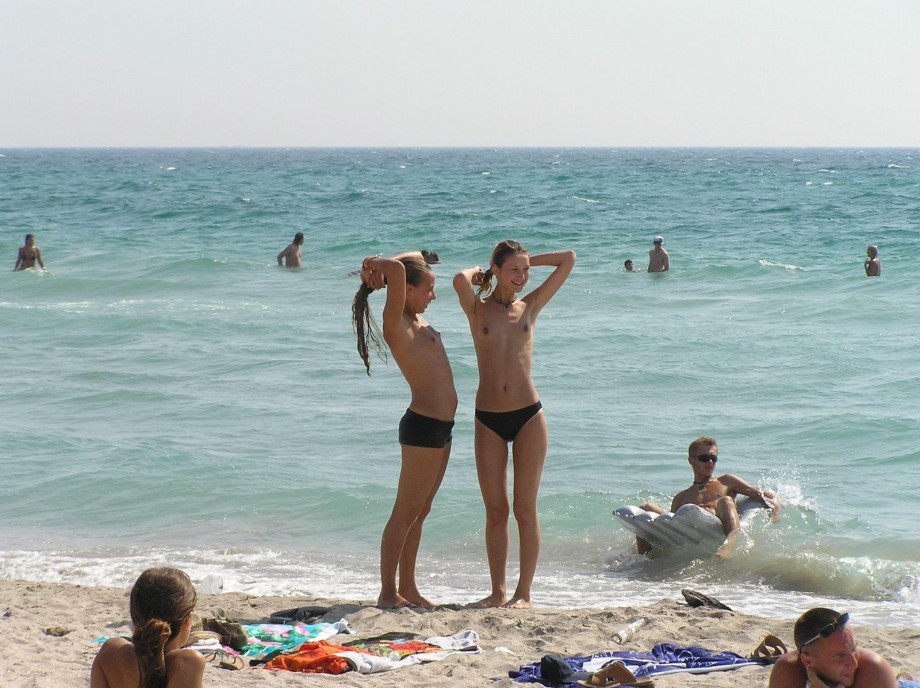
(298,615)
(224,660)
(698,599)
(615,675)
(770,649)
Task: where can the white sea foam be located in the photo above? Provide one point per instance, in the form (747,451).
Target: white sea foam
(787,266)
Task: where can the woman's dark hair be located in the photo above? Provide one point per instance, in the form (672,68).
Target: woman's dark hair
(161,600)
(362,319)
(502,251)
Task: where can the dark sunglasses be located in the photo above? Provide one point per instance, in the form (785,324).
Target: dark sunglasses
(830,628)
(706,458)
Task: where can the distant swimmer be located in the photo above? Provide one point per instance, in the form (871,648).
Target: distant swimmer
(629,266)
(28,255)
(716,495)
(290,256)
(873,264)
(658,260)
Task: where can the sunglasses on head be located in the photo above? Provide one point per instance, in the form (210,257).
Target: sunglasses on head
(706,458)
(830,628)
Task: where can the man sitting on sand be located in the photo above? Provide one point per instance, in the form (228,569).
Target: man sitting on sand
(716,495)
(827,656)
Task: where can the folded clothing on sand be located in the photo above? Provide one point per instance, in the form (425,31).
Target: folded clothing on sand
(664,658)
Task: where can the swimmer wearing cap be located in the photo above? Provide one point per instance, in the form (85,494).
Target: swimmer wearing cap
(658,260)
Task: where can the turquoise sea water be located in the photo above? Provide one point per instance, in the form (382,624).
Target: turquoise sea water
(170,394)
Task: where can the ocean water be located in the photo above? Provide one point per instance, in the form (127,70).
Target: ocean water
(171,395)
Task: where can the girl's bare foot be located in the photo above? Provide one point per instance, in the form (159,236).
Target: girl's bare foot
(392,602)
(517,603)
(488,602)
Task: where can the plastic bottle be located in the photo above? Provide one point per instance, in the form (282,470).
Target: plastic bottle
(628,632)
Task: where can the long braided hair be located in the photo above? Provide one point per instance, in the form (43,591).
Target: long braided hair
(362,319)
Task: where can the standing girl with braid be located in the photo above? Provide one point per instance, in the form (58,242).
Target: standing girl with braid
(162,601)
(508,408)
(425,429)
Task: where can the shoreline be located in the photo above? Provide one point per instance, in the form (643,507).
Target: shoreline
(50,628)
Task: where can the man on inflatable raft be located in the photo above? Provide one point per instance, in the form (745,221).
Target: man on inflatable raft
(715,495)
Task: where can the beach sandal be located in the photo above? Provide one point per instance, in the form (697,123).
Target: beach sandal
(615,675)
(698,599)
(224,660)
(770,649)
(298,615)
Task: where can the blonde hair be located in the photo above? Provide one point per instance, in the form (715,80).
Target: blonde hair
(699,443)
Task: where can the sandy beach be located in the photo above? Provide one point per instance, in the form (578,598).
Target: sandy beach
(48,632)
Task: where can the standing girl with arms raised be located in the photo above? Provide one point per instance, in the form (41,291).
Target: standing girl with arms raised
(425,429)
(508,408)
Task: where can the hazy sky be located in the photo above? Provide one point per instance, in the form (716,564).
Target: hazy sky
(460,73)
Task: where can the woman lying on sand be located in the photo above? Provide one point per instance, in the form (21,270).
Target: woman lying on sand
(162,601)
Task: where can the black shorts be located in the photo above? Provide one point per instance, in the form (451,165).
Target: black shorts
(416,430)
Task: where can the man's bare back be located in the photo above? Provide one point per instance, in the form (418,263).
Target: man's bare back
(291,255)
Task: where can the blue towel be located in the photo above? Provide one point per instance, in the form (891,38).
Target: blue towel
(664,658)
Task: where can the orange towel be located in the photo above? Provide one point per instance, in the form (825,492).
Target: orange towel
(314,658)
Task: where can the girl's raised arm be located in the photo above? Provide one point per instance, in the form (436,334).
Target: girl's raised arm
(379,272)
(563,261)
(464,281)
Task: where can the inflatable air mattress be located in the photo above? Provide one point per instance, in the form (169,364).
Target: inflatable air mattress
(689,525)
